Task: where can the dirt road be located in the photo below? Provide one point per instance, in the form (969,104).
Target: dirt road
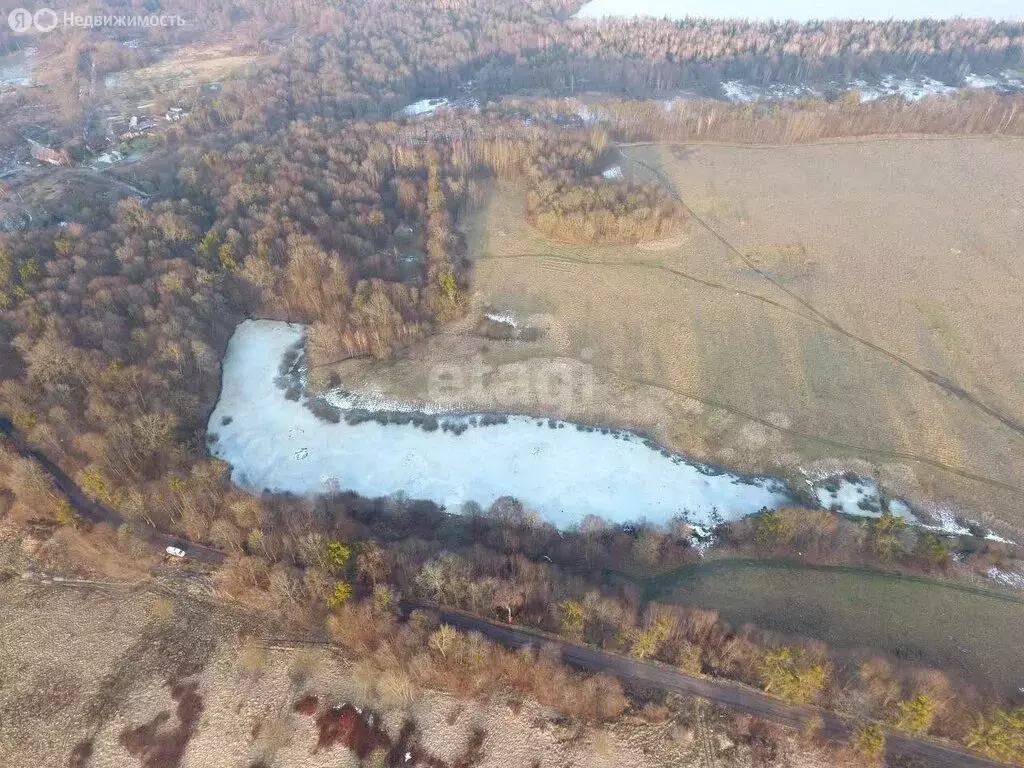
(629,670)
(651,675)
(93,511)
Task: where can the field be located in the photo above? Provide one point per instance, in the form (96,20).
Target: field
(844,305)
(950,626)
(85,665)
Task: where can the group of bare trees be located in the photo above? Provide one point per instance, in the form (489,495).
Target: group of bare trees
(603,212)
(809,120)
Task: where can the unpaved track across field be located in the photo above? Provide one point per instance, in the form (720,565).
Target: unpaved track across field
(722,405)
(928,375)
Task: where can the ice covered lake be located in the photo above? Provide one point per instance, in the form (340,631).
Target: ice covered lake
(559,470)
(805,10)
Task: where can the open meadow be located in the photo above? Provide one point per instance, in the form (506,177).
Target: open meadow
(950,626)
(850,305)
(116,675)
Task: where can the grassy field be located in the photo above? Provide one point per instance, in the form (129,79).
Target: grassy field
(849,305)
(83,665)
(934,623)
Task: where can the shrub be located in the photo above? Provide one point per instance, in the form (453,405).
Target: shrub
(915,715)
(792,675)
(341,594)
(573,619)
(869,741)
(999,734)
(771,529)
(337,555)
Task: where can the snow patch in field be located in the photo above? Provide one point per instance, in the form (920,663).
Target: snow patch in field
(981,81)
(561,472)
(16,68)
(701,539)
(947,522)
(849,496)
(736,90)
(1007,81)
(801,10)
(1006,578)
(740,92)
(586,114)
(423,107)
(911,89)
(505,318)
(613,173)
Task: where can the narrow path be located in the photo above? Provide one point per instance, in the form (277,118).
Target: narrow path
(665,678)
(809,436)
(928,375)
(95,512)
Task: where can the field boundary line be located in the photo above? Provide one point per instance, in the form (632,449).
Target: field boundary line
(870,138)
(927,374)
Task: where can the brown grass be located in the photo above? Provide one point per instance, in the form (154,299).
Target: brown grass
(157,746)
(907,246)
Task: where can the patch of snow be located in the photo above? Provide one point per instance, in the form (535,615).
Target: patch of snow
(16,68)
(981,81)
(946,522)
(506,318)
(423,107)
(369,401)
(1007,81)
(900,508)
(615,172)
(858,496)
(701,539)
(1006,578)
(738,91)
(911,89)
(802,10)
(562,473)
(586,114)
(990,536)
(109,158)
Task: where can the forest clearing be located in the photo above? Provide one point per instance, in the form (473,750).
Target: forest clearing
(790,352)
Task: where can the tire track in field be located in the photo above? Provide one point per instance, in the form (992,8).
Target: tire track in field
(839,444)
(932,377)
(546,262)
(734,410)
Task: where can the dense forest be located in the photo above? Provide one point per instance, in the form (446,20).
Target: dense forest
(354,59)
(296,193)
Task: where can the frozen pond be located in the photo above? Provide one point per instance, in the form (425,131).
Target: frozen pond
(556,469)
(805,10)
(262,426)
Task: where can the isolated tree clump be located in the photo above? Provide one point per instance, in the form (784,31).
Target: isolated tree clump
(602,213)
